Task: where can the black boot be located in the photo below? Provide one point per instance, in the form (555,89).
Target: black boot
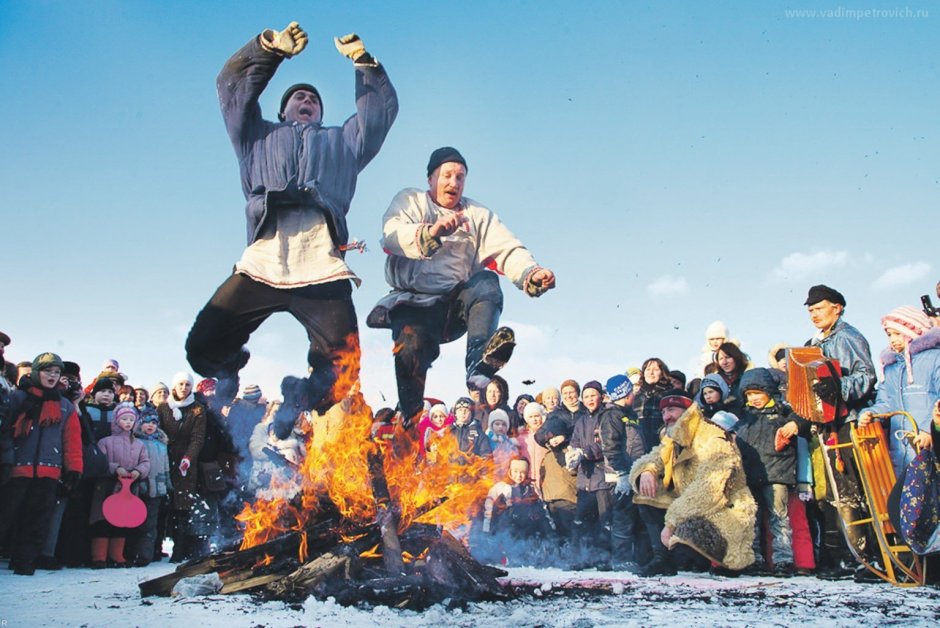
(660,566)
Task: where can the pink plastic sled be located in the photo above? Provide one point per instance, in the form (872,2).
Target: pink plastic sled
(124,509)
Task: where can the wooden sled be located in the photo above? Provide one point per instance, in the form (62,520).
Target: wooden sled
(899,565)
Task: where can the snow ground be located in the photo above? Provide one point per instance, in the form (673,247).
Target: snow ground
(83,597)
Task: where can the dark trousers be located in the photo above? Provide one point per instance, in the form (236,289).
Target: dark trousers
(418,333)
(562,514)
(592,521)
(622,534)
(215,346)
(26,514)
(850,507)
(145,543)
(654,520)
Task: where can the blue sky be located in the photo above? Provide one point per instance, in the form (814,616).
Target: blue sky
(673,162)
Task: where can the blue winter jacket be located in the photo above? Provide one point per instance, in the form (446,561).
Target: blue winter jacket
(847,345)
(300,164)
(917,398)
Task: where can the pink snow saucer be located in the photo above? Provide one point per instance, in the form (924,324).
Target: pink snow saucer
(124,509)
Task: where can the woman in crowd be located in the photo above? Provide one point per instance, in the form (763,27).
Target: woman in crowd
(653,385)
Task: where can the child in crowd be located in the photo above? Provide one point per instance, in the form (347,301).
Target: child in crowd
(534,416)
(40,449)
(127,457)
(148,546)
(437,424)
(911,383)
(712,395)
(765,436)
(97,412)
(503,446)
(468,431)
(513,513)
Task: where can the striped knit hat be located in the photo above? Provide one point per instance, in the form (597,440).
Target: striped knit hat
(251,392)
(911,323)
(907,321)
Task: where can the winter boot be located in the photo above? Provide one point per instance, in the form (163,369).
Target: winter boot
(496,354)
(661,565)
(99,553)
(116,552)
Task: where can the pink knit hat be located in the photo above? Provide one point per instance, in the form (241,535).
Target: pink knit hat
(907,321)
(911,323)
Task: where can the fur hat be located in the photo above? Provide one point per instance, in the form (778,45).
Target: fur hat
(760,379)
(619,387)
(533,407)
(824,293)
(5,339)
(438,407)
(716,330)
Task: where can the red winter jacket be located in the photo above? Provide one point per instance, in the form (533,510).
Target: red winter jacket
(43,447)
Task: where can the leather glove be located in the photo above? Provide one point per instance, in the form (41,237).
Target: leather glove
(288,42)
(70,480)
(828,390)
(350,46)
(623,485)
(184,466)
(6,471)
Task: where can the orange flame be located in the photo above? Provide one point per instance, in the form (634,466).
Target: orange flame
(336,466)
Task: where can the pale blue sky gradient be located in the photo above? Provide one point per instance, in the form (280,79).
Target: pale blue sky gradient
(672,162)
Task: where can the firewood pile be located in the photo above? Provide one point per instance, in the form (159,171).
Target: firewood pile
(409,565)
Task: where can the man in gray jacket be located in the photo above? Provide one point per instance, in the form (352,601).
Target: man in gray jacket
(298,177)
(441,248)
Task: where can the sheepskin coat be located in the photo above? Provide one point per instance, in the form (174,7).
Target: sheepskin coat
(708,504)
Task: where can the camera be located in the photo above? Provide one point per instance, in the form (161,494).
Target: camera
(929,309)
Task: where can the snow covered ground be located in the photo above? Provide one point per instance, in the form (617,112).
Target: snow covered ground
(83,597)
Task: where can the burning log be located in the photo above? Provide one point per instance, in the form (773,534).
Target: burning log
(386,517)
(300,583)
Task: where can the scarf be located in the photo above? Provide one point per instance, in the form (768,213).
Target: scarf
(44,405)
(176,405)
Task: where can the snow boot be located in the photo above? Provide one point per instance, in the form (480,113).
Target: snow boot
(496,354)
(660,566)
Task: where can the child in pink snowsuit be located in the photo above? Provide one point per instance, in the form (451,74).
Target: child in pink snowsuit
(127,457)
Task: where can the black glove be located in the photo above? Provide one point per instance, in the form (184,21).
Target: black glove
(828,390)
(6,470)
(70,480)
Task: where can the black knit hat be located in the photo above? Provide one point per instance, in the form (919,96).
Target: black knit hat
(442,156)
(103,383)
(824,293)
(296,87)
